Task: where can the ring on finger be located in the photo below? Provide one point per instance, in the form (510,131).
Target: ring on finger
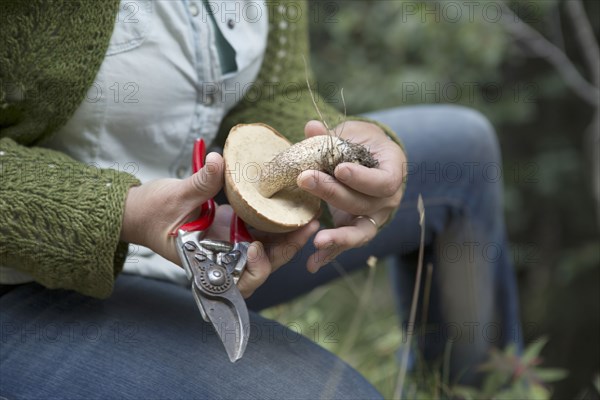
(368,219)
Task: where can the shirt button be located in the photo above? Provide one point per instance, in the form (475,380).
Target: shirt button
(181,172)
(209,99)
(230,23)
(194,10)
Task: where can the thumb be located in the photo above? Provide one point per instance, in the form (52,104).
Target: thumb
(207,182)
(314,128)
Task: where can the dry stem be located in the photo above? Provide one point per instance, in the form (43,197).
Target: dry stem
(413,307)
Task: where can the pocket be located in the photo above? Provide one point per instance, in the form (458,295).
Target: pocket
(132,26)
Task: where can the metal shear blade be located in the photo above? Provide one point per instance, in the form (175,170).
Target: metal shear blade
(214,268)
(230,324)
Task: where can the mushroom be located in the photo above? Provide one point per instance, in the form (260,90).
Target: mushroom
(247,152)
(261,168)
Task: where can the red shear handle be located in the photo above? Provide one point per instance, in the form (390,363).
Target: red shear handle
(238,231)
(204,221)
(207,210)
(198,155)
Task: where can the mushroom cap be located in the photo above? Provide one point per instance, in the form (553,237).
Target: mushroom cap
(247,150)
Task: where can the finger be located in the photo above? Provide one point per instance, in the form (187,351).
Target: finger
(322,257)
(314,128)
(205,183)
(332,242)
(257,270)
(291,244)
(384,181)
(282,248)
(337,194)
(357,234)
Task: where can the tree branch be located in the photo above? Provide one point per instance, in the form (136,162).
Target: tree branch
(591,54)
(541,46)
(586,38)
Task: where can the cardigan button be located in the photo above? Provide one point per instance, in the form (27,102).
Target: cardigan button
(230,23)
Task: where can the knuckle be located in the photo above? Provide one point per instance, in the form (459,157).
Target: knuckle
(392,201)
(346,243)
(331,257)
(328,191)
(365,239)
(360,240)
(393,186)
(391,189)
(176,197)
(213,168)
(251,281)
(362,207)
(396,199)
(199,182)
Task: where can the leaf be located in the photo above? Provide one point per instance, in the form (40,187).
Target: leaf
(465,393)
(533,350)
(550,374)
(494,381)
(538,392)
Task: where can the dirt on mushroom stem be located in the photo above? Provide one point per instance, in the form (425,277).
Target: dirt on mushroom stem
(322,153)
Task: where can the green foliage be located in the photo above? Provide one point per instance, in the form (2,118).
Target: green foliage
(372,345)
(512,377)
(406,52)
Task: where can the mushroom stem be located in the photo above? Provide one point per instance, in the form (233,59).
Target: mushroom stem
(321,153)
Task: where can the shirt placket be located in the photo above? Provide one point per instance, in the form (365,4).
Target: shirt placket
(209,107)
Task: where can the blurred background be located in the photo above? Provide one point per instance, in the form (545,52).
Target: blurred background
(532,67)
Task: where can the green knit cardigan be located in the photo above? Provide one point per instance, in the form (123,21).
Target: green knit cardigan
(60,219)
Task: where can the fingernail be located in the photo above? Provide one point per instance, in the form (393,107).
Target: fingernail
(314,226)
(252,252)
(317,263)
(343,173)
(309,183)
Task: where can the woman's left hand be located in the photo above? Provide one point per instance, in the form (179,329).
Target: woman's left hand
(356,191)
(267,253)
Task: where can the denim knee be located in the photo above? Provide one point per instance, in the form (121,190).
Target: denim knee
(475,133)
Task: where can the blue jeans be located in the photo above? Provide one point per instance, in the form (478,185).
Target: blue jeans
(148,340)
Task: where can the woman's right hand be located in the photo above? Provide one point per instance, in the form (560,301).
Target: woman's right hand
(156,209)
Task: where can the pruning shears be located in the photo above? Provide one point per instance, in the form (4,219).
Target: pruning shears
(214,268)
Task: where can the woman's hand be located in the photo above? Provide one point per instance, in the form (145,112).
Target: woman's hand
(355,191)
(156,209)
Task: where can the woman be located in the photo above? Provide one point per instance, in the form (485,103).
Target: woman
(100,106)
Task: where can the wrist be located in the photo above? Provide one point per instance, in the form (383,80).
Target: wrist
(131,231)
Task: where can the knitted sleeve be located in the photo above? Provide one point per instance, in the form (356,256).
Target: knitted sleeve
(60,220)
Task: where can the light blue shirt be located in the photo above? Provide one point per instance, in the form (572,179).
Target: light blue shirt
(160,87)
